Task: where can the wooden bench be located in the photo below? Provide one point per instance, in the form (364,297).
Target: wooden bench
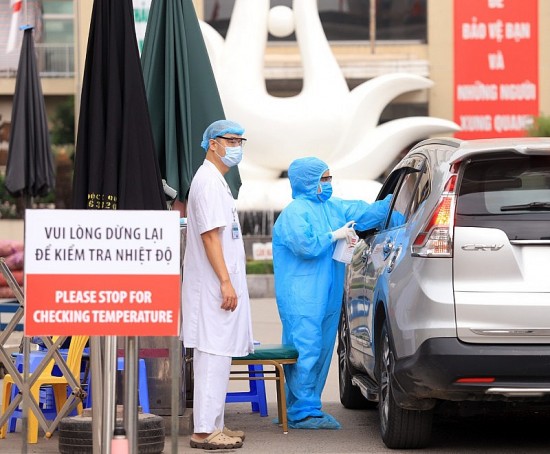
(275,355)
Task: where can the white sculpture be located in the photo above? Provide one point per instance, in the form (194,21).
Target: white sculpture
(325,119)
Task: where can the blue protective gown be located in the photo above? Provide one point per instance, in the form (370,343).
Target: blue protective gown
(309,284)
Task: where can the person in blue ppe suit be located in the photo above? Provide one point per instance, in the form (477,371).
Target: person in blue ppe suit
(309,284)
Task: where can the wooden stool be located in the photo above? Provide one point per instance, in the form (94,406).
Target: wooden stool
(275,355)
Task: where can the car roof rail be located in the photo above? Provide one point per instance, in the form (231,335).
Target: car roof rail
(448,141)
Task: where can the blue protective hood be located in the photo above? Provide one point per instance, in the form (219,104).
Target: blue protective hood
(304,175)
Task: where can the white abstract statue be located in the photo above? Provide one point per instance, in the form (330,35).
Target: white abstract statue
(325,119)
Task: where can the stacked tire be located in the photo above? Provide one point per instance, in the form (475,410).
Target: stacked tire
(75,434)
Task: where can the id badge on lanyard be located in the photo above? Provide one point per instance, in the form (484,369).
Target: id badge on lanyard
(235,226)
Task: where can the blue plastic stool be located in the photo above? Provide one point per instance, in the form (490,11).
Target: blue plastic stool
(256,394)
(46,403)
(143,389)
(47,400)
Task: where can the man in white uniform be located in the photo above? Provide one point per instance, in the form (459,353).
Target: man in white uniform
(215,301)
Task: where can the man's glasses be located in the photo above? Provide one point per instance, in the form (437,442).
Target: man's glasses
(234,141)
(326,179)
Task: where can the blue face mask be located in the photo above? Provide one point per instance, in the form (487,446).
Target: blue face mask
(326,192)
(233,155)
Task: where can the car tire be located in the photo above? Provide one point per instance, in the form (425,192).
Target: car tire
(350,395)
(399,428)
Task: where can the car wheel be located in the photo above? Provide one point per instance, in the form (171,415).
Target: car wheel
(350,395)
(400,428)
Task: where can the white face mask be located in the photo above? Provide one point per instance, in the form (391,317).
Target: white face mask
(233,155)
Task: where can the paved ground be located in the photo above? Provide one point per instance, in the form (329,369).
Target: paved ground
(267,329)
(262,435)
(495,434)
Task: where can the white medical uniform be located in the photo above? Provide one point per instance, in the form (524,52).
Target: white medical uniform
(206,325)
(217,334)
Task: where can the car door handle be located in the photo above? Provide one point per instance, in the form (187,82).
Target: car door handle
(366,253)
(393,259)
(387,248)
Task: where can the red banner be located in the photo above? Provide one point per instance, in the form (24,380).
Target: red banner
(495,67)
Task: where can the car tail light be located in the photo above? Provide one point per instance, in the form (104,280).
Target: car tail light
(436,237)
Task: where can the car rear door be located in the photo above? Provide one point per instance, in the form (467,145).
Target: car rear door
(502,249)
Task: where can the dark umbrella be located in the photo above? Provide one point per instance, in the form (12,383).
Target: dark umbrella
(115,163)
(181,90)
(30,170)
(116,167)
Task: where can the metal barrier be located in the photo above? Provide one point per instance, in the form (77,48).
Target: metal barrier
(25,380)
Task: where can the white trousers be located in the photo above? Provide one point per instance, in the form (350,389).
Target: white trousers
(211,379)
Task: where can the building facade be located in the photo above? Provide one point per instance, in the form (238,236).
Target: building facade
(438,39)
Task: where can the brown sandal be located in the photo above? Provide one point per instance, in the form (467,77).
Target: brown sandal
(216,440)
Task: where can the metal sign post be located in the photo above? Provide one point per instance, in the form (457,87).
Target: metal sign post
(97,394)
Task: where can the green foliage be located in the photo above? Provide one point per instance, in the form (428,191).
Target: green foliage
(259,267)
(64,150)
(540,127)
(8,204)
(14,207)
(62,130)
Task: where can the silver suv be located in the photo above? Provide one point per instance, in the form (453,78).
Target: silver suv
(450,301)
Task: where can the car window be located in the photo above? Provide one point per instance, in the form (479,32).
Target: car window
(509,185)
(422,191)
(389,186)
(403,198)
(511,192)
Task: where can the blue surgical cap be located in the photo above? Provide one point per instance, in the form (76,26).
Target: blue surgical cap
(219,128)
